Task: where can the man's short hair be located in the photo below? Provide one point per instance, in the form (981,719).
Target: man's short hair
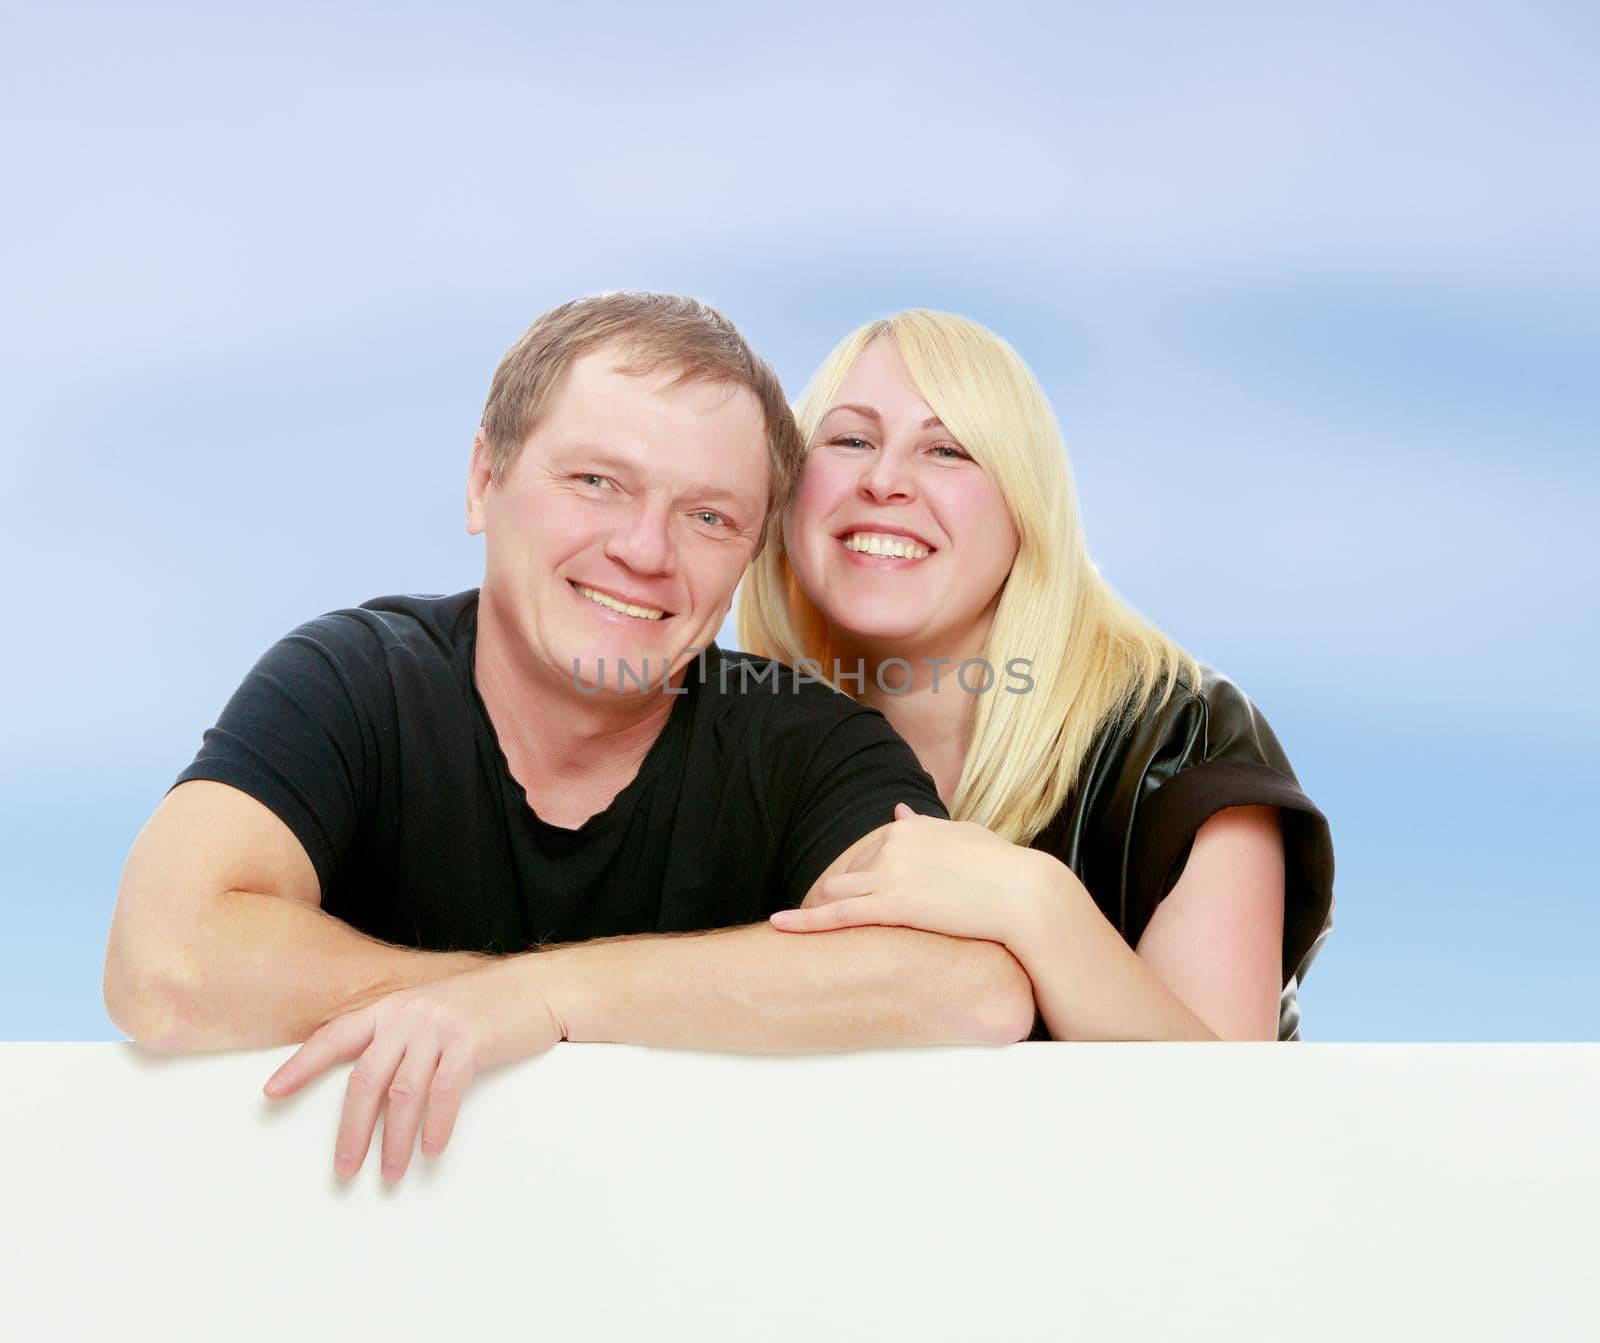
(651,331)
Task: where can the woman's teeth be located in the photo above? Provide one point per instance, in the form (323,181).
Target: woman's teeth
(627,608)
(895,546)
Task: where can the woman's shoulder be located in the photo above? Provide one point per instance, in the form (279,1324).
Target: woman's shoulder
(1154,775)
(1204,719)
(1206,724)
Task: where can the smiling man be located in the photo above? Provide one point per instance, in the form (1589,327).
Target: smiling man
(436,834)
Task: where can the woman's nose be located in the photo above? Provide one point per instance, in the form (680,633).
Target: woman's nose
(888,476)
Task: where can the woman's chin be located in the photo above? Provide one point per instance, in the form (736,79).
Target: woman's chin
(880,631)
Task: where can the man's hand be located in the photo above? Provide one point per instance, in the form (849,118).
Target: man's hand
(421,1047)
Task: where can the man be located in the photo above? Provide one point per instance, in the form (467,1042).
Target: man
(435,834)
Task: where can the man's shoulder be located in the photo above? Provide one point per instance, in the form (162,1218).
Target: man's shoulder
(828,769)
(791,720)
(399,651)
(420,622)
(413,618)
(761,687)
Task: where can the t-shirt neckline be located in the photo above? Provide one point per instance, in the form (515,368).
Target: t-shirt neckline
(622,805)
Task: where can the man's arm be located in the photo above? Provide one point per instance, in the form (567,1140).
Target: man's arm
(751,988)
(756,988)
(219,941)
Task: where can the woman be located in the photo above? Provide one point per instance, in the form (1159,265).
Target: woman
(1124,820)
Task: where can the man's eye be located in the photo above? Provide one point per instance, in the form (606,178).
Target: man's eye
(598,481)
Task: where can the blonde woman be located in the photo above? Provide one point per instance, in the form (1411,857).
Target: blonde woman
(1124,820)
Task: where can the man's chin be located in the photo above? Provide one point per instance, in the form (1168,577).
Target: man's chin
(628,670)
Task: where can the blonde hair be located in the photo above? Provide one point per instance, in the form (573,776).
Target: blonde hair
(652,331)
(1094,659)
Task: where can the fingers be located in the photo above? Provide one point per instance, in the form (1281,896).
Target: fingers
(841,886)
(867,855)
(341,1040)
(847,912)
(402,1070)
(406,1096)
(417,1059)
(364,1096)
(444,1100)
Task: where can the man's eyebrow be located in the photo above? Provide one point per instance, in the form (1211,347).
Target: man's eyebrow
(720,493)
(586,455)
(932,422)
(612,461)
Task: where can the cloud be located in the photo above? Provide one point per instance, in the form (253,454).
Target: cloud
(195,173)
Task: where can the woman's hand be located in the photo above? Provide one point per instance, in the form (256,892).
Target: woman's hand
(940,876)
(421,1047)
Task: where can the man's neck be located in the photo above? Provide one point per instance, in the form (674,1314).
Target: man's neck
(571,753)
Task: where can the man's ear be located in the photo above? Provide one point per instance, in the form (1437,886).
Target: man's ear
(477,483)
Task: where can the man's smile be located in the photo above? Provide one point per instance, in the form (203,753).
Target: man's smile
(611,602)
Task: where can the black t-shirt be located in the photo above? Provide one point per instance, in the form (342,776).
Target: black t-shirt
(1150,781)
(364,732)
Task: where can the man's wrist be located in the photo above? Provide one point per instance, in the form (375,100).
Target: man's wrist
(559,979)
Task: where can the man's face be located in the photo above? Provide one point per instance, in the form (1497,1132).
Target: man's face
(624,525)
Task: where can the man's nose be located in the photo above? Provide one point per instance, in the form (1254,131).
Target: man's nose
(887,477)
(644,542)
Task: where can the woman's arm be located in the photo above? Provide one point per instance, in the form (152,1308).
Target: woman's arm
(1207,966)
(1217,940)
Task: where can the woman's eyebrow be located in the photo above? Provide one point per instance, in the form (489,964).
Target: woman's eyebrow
(932,422)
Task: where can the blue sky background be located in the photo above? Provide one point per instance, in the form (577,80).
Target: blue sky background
(1314,295)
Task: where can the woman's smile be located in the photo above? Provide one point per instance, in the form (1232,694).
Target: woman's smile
(865,546)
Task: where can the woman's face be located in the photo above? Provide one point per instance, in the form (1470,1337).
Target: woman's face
(896,534)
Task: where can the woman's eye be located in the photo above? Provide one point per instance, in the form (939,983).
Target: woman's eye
(711,519)
(949,452)
(851,441)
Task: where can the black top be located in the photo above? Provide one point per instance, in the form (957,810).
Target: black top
(364,731)
(1150,782)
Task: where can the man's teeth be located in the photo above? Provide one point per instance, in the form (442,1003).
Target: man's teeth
(627,608)
(896,546)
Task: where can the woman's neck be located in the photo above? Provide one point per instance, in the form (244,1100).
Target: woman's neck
(924,696)
(936,726)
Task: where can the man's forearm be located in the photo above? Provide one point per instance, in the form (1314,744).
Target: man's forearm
(257,970)
(756,988)
(253,970)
